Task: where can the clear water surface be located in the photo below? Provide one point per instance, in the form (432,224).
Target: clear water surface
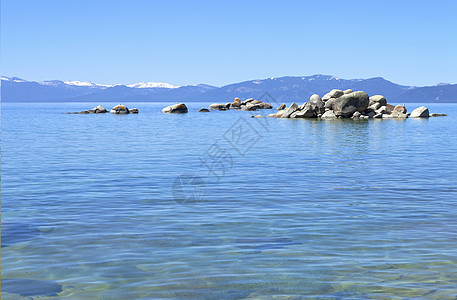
(222,206)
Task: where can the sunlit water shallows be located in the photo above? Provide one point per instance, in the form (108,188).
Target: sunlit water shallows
(222,206)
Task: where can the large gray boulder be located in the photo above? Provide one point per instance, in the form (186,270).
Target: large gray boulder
(119,110)
(317,104)
(289,111)
(179,108)
(420,112)
(348,104)
(306,112)
(378,99)
(348,91)
(332,94)
(329,103)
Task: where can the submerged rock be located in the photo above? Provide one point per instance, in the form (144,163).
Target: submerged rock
(179,108)
(420,112)
(277,114)
(348,104)
(438,115)
(30,287)
(120,110)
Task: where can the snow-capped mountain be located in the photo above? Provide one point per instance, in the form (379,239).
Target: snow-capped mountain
(281,89)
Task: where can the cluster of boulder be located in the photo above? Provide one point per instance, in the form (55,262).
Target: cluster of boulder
(348,104)
(248,104)
(118,109)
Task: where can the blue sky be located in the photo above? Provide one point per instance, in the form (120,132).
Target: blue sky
(221,42)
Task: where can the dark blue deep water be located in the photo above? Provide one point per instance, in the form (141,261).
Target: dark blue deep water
(222,206)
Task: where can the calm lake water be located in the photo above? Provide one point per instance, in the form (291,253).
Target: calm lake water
(222,206)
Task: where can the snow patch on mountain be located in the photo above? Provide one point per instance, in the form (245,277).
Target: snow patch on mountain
(86,83)
(149,85)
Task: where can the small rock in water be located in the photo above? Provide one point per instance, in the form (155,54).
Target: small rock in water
(420,112)
(120,109)
(218,106)
(203,110)
(133,110)
(180,108)
(438,115)
(281,107)
(258,116)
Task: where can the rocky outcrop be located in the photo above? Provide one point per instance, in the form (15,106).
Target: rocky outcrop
(305,112)
(420,112)
(348,104)
(119,110)
(249,104)
(348,91)
(179,108)
(96,110)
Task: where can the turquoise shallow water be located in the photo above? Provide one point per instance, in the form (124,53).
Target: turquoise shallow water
(222,206)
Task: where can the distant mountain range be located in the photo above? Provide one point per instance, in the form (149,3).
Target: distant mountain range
(282,89)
